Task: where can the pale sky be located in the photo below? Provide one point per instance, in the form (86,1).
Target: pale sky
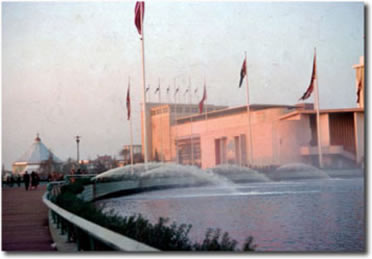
(65,66)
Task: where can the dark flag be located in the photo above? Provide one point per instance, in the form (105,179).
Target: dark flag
(168,89)
(201,103)
(196,90)
(176,91)
(359,85)
(128,103)
(243,73)
(147,89)
(157,89)
(187,90)
(310,89)
(139,13)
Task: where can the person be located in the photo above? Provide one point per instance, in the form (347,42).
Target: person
(26,180)
(18,180)
(37,180)
(33,180)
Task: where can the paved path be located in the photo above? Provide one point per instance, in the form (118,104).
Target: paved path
(25,220)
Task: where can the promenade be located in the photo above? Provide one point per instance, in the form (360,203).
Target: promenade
(25,220)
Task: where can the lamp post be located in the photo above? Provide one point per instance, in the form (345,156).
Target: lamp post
(77,143)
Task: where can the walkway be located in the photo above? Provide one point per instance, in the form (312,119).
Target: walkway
(25,220)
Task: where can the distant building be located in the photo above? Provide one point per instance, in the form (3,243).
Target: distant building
(279,134)
(137,155)
(38,158)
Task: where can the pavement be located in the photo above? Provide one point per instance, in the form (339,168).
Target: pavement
(25,221)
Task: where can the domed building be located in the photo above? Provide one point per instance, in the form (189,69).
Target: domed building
(39,159)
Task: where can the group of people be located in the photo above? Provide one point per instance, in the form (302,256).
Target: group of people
(32,178)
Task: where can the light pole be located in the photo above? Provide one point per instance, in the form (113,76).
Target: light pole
(77,143)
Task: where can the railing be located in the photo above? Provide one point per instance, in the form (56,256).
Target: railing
(81,230)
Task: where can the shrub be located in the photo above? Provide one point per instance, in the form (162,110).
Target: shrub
(161,235)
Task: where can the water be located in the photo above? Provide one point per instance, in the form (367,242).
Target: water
(305,215)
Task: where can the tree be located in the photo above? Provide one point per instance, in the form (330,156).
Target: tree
(125,153)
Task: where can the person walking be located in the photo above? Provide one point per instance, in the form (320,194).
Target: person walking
(26,180)
(34,180)
(18,180)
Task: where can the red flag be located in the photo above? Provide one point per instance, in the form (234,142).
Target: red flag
(139,13)
(201,103)
(310,89)
(128,102)
(243,72)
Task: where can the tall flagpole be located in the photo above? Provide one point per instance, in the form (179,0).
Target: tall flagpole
(131,133)
(249,114)
(320,155)
(144,88)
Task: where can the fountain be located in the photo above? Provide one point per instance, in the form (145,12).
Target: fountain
(239,174)
(157,176)
(297,171)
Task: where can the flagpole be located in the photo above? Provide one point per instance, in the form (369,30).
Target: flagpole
(144,89)
(320,155)
(249,115)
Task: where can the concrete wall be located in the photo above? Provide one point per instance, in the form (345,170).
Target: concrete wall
(325,139)
(267,132)
(293,134)
(160,124)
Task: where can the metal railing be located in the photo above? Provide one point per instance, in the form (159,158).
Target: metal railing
(80,230)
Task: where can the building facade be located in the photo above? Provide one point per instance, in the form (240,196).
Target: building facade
(269,135)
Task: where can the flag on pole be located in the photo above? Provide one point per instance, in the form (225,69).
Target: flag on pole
(177,89)
(187,90)
(201,103)
(139,13)
(147,89)
(157,89)
(243,73)
(168,89)
(359,75)
(196,90)
(310,89)
(128,102)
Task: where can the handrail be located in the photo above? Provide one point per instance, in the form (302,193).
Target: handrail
(110,238)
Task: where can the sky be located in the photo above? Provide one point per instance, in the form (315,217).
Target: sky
(65,65)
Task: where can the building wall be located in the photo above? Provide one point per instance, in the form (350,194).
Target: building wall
(293,134)
(267,134)
(342,131)
(225,136)
(359,136)
(161,135)
(324,130)
(161,118)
